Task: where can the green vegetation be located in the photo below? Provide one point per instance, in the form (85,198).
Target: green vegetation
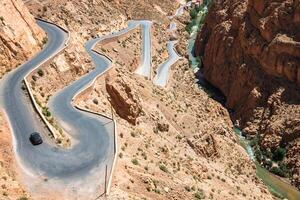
(199,194)
(44,8)
(163,168)
(45,40)
(23,87)
(23,198)
(132,134)
(195,20)
(279,154)
(34,78)
(95,101)
(135,161)
(187,188)
(268,158)
(46,112)
(40,72)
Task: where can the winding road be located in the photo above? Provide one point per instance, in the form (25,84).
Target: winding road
(48,159)
(145,68)
(161,78)
(92,135)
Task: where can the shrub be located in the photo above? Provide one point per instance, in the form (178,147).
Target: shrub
(23,87)
(95,101)
(187,188)
(34,78)
(277,171)
(163,168)
(121,155)
(193,13)
(44,8)
(23,198)
(40,72)
(45,40)
(135,161)
(156,190)
(46,112)
(132,134)
(279,154)
(199,194)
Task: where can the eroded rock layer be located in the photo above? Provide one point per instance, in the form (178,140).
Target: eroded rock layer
(20,36)
(251,51)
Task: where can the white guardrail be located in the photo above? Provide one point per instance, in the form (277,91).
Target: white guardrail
(49,126)
(36,106)
(100,114)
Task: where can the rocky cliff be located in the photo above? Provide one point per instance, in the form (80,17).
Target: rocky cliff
(20,36)
(251,52)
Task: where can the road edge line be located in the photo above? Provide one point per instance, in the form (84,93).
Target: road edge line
(35,105)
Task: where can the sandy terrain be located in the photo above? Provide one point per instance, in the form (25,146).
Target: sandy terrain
(10,187)
(175,147)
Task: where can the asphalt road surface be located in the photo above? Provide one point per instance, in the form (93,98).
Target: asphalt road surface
(94,141)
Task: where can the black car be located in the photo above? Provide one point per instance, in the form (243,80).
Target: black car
(35,138)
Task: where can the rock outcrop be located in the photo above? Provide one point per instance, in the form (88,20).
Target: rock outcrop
(251,52)
(20,36)
(124,101)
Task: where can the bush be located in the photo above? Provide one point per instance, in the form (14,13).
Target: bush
(277,171)
(44,8)
(40,72)
(132,134)
(279,154)
(187,188)
(135,161)
(285,169)
(267,163)
(23,198)
(95,101)
(23,87)
(45,40)
(163,168)
(121,155)
(34,78)
(199,194)
(282,170)
(46,112)
(193,13)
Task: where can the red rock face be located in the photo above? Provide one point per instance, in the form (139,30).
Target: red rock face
(20,36)
(124,101)
(251,51)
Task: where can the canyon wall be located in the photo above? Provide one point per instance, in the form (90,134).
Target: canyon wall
(251,51)
(20,36)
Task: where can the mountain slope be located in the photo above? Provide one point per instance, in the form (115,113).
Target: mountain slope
(20,37)
(251,52)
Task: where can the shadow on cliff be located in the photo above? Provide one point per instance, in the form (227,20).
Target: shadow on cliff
(212,91)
